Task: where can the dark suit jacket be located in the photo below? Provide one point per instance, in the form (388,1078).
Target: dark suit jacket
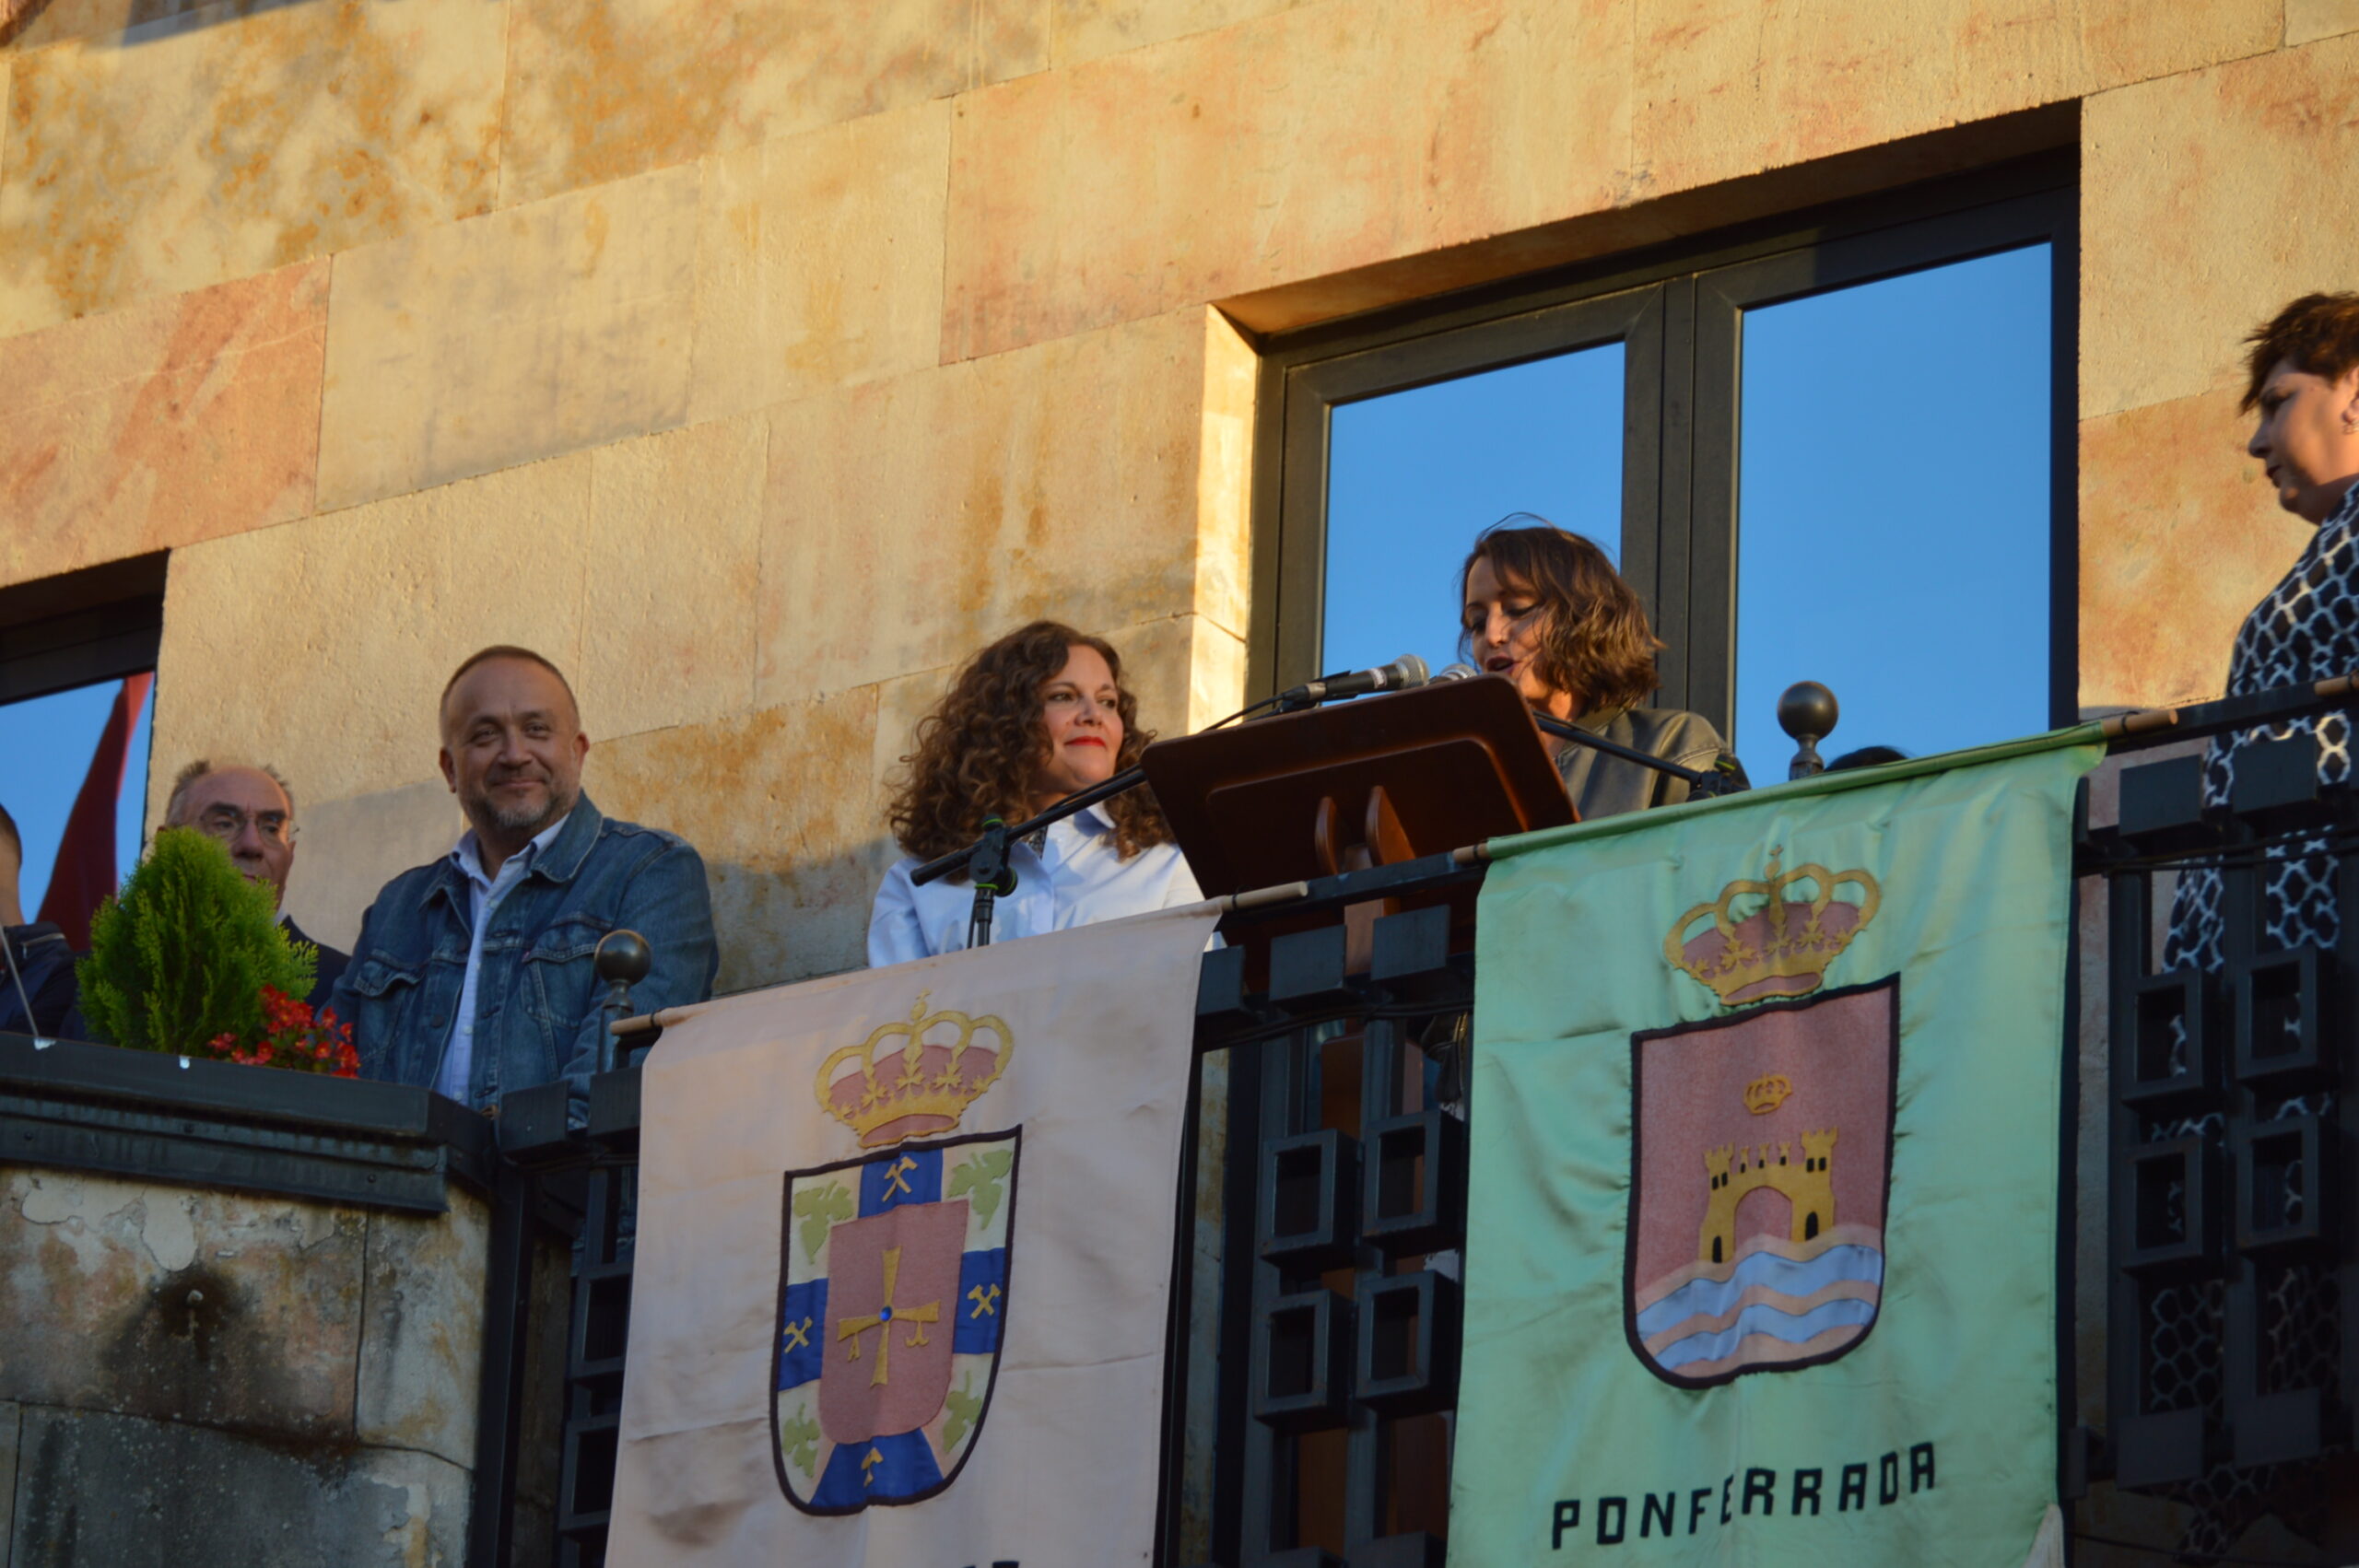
(47,971)
(331,966)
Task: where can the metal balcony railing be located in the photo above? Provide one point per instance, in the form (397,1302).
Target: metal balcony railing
(1315,1318)
(1315,1310)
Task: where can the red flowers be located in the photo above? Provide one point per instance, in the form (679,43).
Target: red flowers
(293,1038)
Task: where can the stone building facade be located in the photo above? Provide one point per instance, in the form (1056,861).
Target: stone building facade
(757,358)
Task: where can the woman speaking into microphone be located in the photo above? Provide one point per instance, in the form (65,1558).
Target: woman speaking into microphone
(1546,608)
(1039,715)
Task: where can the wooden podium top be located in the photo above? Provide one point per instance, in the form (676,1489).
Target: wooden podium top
(1407,774)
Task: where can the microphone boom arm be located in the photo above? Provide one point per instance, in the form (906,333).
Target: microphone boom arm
(1080,800)
(1571,732)
(1129,778)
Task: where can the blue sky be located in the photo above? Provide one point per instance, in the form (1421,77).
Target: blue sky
(1893,510)
(45,747)
(1413,477)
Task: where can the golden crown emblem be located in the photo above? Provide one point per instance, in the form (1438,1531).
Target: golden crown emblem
(1780,944)
(942,1064)
(1765,1095)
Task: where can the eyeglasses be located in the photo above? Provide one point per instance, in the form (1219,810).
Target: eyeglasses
(226,823)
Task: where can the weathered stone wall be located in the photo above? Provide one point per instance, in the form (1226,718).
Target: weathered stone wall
(756,359)
(255,1380)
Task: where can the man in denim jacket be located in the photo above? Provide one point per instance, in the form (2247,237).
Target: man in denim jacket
(475,975)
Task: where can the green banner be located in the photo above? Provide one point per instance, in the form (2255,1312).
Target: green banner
(1761,1261)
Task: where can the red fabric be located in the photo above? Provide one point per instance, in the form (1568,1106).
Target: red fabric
(84,872)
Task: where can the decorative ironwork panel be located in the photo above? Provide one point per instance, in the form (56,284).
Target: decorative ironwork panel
(1346,1135)
(2231,1249)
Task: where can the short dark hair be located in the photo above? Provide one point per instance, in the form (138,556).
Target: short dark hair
(507,650)
(10,837)
(1867,757)
(187,777)
(1596,643)
(2319,332)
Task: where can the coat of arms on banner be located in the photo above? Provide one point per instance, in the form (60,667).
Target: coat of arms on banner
(893,1294)
(1761,1154)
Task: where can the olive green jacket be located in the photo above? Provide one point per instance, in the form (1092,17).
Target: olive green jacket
(1608,786)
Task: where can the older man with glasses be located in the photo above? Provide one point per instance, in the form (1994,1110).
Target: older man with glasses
(250,811)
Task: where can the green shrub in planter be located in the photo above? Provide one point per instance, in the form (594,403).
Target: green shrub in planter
(179,957)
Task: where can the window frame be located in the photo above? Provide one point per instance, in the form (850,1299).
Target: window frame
(1679,310)
(82,627)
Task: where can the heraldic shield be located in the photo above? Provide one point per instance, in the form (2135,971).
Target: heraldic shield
(1761,1141)
(892,1309)
(1761,1168)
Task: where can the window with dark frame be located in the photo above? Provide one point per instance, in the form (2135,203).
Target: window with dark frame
(82,627)
(1678,319)
(66,645)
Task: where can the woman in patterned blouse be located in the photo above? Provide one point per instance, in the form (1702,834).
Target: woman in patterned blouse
(2304,385)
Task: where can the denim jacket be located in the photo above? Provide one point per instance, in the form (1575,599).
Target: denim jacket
(537,995)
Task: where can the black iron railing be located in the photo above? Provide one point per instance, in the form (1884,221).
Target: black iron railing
(1325,1438)
(2233,1241)
(1315,1322)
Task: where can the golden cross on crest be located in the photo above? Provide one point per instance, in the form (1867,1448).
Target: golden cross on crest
(898,1180)
(883,1317)
(798,1335)
(986,1298)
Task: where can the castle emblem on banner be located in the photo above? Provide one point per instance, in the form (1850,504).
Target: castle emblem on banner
(1761,1157)
(893,1269)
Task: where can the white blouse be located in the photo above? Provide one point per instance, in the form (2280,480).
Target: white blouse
(1074,878)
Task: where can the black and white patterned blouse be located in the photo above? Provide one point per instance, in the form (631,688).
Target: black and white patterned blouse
(2306,628)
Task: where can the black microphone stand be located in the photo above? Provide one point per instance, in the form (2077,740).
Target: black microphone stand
(1129,779)
(994,878)
(986,861)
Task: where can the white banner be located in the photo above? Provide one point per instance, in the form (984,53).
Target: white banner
(905,1243)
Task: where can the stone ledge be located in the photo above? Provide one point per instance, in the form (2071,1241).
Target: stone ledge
(214,1124)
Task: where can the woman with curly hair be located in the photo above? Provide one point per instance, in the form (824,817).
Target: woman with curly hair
(1039,715)
(1546,608)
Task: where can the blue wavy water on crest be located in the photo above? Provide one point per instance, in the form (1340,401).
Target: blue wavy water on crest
(1763,1318)
(1709,1298)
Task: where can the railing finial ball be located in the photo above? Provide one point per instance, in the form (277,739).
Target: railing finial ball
(623,957)
(1808,712)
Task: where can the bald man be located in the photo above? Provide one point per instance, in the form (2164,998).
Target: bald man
(251,812)
(476,975)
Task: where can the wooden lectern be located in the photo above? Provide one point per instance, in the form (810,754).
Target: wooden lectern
(1370,782)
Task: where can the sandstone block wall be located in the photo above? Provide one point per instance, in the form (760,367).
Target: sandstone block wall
(257,1381)
(759,358)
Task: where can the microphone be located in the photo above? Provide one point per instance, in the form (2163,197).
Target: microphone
(1455,672)
(1398,676)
